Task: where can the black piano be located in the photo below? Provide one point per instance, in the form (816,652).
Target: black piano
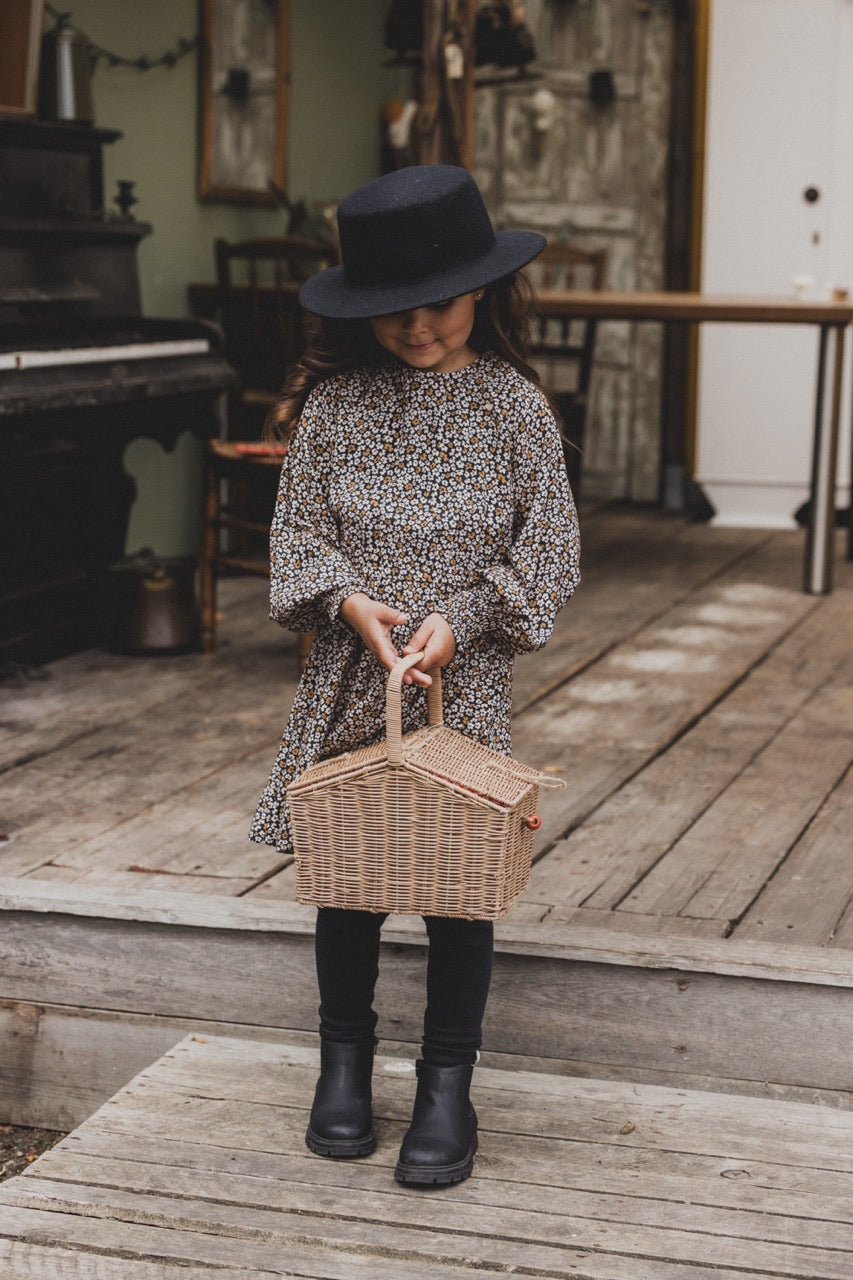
(82,373)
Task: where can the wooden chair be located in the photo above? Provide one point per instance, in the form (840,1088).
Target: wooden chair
(263,328)
(262,323)
(563,350)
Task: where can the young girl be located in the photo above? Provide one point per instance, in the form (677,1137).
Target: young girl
(423,506)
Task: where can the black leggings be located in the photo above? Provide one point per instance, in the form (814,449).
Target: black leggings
(459,970)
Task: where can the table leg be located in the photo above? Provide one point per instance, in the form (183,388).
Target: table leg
(850,509)
(817,570)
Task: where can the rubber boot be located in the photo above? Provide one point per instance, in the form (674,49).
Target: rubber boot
(341,1123)
(439,1147)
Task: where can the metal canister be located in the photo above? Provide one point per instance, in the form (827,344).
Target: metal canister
(152,606)
(65,80)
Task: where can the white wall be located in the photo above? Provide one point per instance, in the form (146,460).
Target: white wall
(780,119)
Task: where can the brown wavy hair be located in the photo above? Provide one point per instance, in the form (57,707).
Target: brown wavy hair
(501,324)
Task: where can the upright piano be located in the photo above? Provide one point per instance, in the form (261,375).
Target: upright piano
(82,373)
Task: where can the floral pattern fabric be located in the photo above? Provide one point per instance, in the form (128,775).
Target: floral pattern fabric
(431,492)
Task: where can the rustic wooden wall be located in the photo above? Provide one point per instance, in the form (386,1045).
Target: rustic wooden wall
(598,177)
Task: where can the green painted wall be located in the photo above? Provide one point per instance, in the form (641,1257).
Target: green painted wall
(337,87)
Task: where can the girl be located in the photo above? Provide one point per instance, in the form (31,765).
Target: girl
(423,506)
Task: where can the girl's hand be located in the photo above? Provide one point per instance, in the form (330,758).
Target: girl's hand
(373,622)
(438,642)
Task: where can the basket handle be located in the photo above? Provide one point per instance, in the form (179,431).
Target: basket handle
(393,710)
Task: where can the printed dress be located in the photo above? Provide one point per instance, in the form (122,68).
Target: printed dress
(431,492)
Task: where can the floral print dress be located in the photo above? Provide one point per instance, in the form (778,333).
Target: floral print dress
(431,492)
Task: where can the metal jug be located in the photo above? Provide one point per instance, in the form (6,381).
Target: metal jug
(65,80)
(152,605)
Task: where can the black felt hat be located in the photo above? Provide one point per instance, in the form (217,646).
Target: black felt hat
(411,238)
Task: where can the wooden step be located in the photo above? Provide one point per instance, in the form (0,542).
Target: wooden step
(96,988)
(199,1167)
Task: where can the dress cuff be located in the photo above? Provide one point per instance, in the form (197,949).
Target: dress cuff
(333,600)
(472,612)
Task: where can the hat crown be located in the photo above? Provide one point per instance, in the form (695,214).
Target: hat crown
(412,224)
(413,238)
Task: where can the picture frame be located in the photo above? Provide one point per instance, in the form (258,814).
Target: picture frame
(21,24)
(244,83)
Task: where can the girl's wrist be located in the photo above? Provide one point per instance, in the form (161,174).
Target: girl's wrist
(350,604)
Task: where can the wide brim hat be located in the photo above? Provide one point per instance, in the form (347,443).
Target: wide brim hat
(414,237)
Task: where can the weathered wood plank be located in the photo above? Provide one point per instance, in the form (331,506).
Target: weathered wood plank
(60,1064)
(205,1149)
(55,708)
(599,863)
(417,1228)
(138,878)
(639,926)
(202,830)
(95,908)
(655,571)
(200,1075)
(721,864)
(269,1112)
(162,727)
(244,1260)
(152,907)
(648,1009)
(602,727)
(280,887)
(150,759)
(28,1261)
(167,1162)
(239,1256)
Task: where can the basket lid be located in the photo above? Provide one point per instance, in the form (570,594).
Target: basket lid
(447,756)
(440,755)
(436,753)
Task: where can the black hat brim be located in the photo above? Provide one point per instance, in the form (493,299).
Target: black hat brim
(330,294)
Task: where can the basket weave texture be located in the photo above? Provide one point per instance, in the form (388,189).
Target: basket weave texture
(432,823)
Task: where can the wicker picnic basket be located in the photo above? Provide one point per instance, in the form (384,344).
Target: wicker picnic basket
(432,823)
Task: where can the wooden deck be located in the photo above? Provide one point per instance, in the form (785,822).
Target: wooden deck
(198,1168)
(689,920)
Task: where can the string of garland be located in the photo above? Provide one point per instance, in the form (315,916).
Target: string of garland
(99,54)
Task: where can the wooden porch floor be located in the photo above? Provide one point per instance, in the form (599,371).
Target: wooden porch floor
(689,919)
(699,706)
(198,1168)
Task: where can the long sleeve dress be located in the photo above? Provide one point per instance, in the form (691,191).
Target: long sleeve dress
(430,492)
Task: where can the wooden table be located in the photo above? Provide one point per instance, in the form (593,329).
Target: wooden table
(832,320)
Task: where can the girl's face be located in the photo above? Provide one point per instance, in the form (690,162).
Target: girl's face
(431,338)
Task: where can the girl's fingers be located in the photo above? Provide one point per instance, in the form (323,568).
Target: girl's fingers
(436,639)
(420,640)
(415,676)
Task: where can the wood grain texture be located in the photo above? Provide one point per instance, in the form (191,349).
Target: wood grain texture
(200,1160)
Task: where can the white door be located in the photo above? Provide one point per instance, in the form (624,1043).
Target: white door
(778,208)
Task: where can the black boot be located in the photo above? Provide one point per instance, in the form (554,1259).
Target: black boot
(440,1144)
(341,1121)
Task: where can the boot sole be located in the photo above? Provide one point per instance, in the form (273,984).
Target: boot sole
(442,1176)
(340,1148)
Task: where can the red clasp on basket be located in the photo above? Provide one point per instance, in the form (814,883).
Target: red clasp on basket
(534,822)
